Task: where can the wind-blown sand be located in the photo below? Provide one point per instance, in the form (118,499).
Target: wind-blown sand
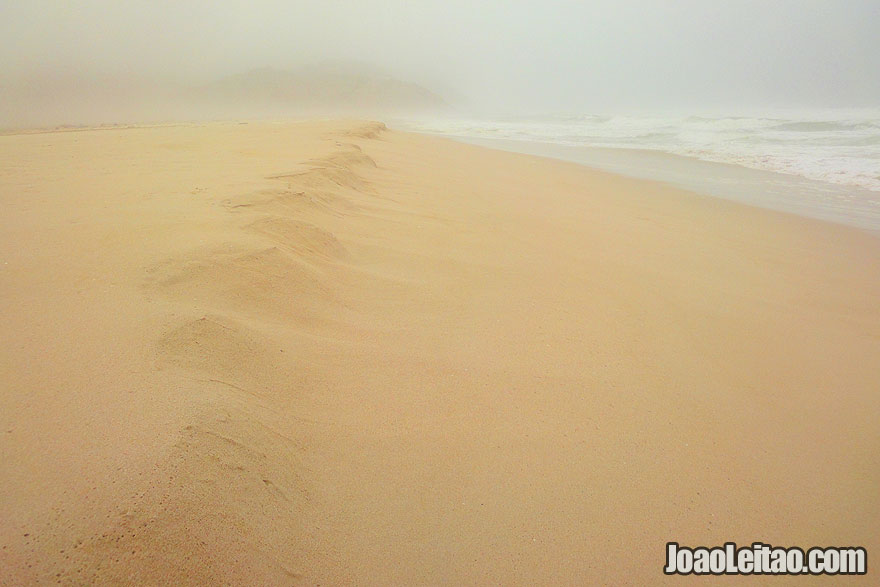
(333,353)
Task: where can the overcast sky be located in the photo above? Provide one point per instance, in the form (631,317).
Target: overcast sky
(496,56)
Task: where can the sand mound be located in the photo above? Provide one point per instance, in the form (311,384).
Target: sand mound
(292,201)
(211,513)
(262,282)
(303,238)
(286,280)
(371,130)
(215,347)
(346,159)
(327,178)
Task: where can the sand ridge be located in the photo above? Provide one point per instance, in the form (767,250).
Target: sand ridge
(227,473)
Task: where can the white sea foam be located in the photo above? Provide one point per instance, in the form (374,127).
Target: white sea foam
(839,148)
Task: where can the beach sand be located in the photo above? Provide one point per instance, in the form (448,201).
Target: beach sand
(330,353)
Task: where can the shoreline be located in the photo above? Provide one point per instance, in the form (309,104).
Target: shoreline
(329,352)
(755,187)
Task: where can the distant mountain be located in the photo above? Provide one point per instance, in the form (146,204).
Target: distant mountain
(328,88)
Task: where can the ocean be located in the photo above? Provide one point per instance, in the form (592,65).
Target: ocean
(823,164)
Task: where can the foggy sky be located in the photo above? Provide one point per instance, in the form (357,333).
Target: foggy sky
(490,56)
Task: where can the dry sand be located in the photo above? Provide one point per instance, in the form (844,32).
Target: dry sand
(330,353)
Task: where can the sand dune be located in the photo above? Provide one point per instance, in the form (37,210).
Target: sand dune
(331,353)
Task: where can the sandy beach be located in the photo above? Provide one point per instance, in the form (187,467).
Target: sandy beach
(333,353)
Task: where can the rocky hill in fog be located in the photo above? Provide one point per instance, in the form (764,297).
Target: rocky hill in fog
(321,88)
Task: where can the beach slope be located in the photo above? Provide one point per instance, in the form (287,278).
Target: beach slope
(332,353)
